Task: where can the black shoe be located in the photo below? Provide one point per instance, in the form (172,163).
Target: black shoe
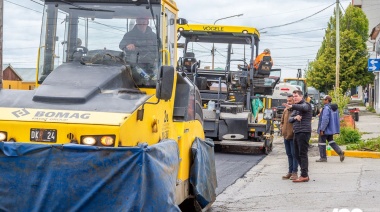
(341,156)
(321,160)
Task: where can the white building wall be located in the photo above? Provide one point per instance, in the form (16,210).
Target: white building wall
(372,9)
(377,75)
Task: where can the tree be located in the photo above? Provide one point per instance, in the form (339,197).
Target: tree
(353,53)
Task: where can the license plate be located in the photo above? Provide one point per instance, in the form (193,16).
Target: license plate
(43,135)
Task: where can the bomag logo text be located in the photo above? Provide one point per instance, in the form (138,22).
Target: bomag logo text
(61,115)
(213,28)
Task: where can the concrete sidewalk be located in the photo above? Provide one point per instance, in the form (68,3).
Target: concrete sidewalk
(351,184)
(335,185)
(369,124)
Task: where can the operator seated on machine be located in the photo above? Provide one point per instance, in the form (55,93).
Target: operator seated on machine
(265,60)
(140,47)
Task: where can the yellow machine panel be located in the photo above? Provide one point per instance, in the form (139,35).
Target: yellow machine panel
(115,87)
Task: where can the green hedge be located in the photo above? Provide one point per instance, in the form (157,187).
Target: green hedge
(348,136)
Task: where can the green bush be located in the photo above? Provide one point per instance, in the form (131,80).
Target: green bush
(371,109)
(340,99)
(348,136)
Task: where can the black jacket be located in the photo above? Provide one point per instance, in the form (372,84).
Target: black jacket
(304,110)
(145,43)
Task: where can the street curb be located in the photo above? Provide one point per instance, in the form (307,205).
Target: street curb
(358,154)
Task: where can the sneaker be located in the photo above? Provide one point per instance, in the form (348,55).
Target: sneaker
(321,160)
(287,176)
(294,176)
(341,156)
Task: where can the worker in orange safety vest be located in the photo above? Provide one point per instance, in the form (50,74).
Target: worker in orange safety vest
(260,57)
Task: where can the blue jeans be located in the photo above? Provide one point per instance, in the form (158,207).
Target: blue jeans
(290,152)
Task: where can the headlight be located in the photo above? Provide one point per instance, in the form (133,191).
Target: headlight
(3,136)
(107,140)
(244,31)
(88,140)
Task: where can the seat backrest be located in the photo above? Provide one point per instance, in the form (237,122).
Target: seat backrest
(189,54)
(188,61)
(267,58)
(265,64)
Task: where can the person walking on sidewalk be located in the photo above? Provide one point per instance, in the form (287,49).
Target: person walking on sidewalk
(287,132)
(328,126)
(301,118)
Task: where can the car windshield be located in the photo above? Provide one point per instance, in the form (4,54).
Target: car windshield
(223,59)
(299,83)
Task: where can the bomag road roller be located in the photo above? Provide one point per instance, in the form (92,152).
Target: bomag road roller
(111,125)
(229,85)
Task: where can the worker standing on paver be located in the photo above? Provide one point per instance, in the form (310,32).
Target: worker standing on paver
(287,132)
(328,126)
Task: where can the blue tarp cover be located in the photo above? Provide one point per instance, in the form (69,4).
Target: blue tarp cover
(36,177)
(203,172)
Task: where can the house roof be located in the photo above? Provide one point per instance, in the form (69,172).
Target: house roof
(25,74)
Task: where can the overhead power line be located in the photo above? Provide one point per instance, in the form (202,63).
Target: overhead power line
(293,33)
(341,6)
(23,6)
(297,47)
(37,2)
(295,56)
(299,19)
(96,22)
(261,16)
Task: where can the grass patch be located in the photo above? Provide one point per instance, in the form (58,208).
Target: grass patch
(367,145)
(371,109)
(314,135)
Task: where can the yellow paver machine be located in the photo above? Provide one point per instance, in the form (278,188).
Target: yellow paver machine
(219,60)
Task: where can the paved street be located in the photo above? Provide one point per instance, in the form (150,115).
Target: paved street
(230,167)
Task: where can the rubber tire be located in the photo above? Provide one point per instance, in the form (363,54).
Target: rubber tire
(356,116)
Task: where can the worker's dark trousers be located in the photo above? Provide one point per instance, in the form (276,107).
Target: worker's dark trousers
(301,147)
(322,145)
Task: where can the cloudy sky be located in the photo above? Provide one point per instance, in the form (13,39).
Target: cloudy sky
(292,45)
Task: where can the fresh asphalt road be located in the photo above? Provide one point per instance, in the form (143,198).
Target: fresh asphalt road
(230,167)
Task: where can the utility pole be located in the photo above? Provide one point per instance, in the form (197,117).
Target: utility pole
(337,65)
(1,42)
